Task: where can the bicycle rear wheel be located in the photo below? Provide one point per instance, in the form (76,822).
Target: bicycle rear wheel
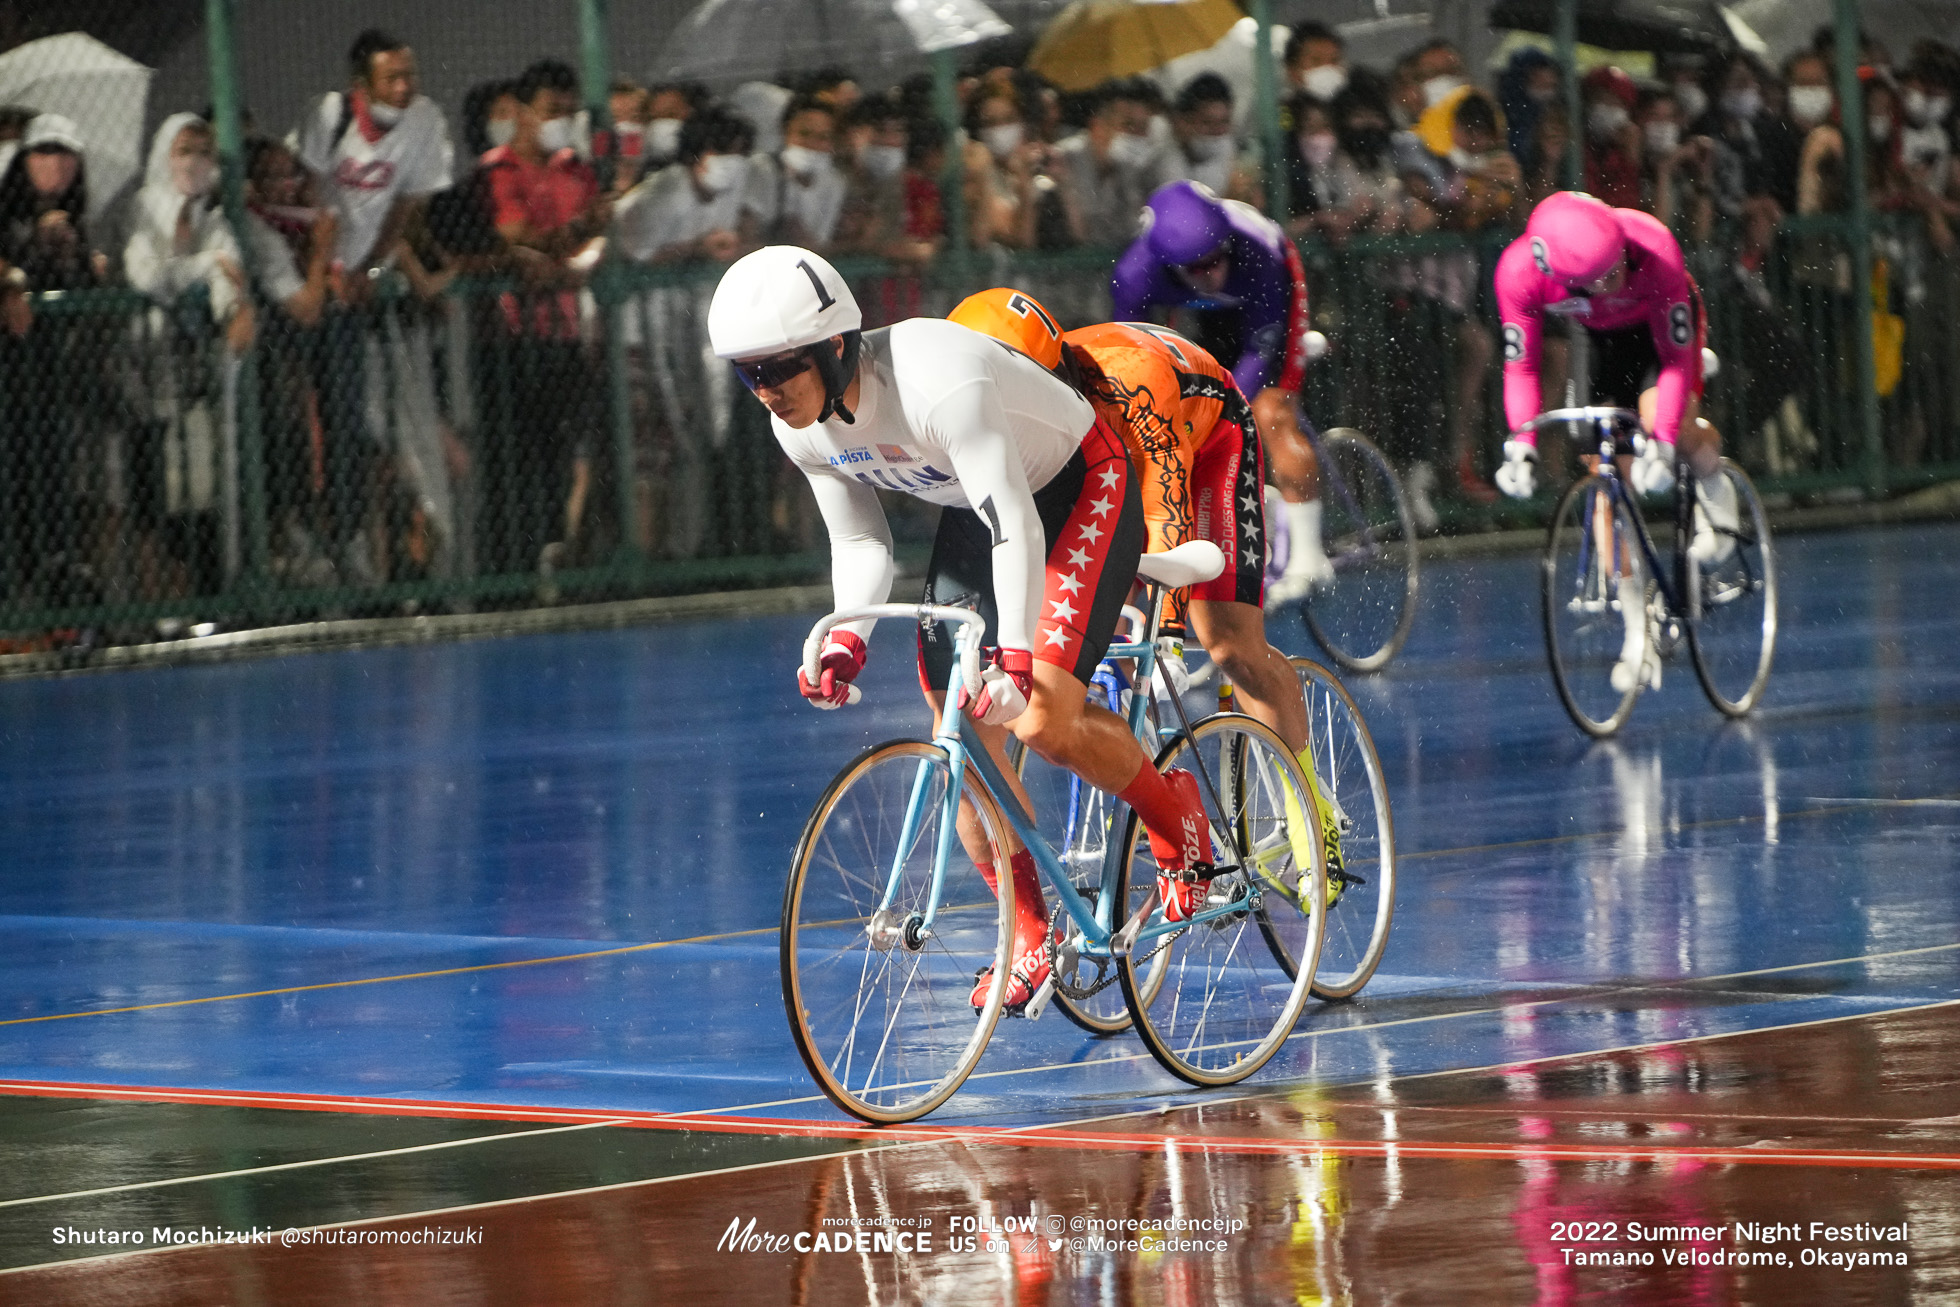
(877,1002)
(1363,618)
(1734,639)
(1348,781)
(1233,980)
(1590,550)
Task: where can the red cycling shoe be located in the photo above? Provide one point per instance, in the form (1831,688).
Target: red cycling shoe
(1184,871)
(1030,971)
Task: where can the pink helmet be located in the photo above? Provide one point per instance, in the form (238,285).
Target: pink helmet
(1575,238)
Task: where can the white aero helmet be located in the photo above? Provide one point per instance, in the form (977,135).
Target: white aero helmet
(784,297)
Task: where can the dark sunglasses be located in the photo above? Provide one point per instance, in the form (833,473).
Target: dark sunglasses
(1208,263)
(776,369)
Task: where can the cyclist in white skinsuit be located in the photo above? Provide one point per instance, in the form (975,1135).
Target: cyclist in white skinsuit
(1042,529)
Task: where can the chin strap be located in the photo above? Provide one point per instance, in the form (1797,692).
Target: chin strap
(837,373)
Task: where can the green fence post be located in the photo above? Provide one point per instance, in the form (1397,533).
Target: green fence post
(1265,90)
(1566,36)
(231,157)
(1852,100)
(608,282)
(946,98)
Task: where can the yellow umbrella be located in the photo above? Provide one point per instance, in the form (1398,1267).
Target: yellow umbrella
(1092,41)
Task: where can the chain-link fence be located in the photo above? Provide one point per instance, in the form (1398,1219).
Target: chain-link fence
(304,406)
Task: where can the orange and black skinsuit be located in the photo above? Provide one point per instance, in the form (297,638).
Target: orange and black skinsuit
(1191,436)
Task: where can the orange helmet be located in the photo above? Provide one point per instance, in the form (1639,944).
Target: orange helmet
(1012,317)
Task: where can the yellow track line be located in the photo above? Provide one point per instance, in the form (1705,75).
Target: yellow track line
(382,980)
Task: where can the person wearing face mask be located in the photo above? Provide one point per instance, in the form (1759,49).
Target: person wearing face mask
(1203,148)
(1438,70)
(669,106)
(1320,180)
(1756,150)
(627,104)
(548,208)
(1105,172)
(1316,61)
(699,206)
(180,238)
(1014,179)
(875,201)
(1924,145)
(180,241)
(51,372)
(1674,170)
(1821,184)
(799,190)
(1612,152)
(1684,75)
(380,150)
(1810,99)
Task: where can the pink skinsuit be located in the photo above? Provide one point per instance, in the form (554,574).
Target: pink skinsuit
(1658,292)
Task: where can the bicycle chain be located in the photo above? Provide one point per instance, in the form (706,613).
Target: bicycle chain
(1105,968)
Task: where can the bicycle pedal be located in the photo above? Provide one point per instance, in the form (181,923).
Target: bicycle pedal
(1039,1003)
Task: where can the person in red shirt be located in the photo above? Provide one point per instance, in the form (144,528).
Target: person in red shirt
(546,203)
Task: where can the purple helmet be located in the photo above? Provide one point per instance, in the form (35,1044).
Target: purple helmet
(1575,238)
(1184,223)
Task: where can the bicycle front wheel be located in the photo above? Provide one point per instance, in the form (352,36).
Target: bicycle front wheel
(1595,584)
(1734,639)
(1357,830)
(1363,618)
(878,962)
(1215,999)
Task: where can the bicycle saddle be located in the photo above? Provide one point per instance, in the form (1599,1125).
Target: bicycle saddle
(1189,563)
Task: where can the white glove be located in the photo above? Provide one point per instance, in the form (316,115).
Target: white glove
(1170,661)
(1518,478)
(1006,684)
(1653,470)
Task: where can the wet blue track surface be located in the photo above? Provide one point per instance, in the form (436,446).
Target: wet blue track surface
(195,833)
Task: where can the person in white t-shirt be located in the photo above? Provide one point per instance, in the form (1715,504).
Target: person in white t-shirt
(798,192)
(1041,529)
(697,207)
(379,149)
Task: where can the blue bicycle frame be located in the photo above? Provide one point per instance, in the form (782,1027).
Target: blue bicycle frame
(956,736)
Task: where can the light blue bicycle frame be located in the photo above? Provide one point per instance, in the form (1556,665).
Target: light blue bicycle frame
(956,736)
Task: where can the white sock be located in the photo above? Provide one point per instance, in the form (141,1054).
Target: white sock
(1303,534)
(1718,492)
(1633,611)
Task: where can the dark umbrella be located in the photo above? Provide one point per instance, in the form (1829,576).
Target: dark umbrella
(1664,26)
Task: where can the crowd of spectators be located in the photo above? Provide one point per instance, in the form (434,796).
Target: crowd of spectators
(368,378)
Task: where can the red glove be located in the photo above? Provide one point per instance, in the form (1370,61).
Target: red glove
(842,659)
(1006,685)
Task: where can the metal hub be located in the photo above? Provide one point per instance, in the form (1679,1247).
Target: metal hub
(888,929)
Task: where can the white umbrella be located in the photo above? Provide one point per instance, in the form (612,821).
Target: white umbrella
(724,42)
(104,92)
